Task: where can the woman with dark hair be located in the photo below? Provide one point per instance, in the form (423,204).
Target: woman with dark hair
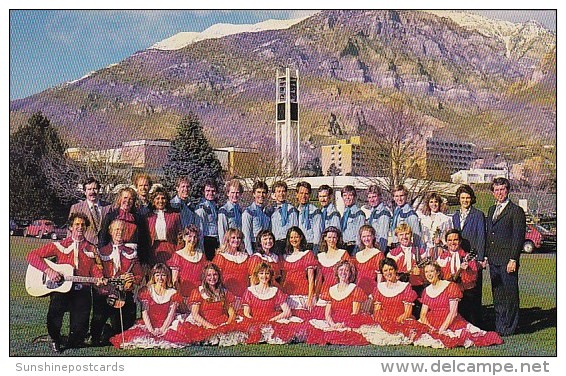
(264,246)
(471,224)
(158,327)
(329,255)
(342,311)
(186,263)
(136,233)
(234,261)
(434,223)
(164,226)
(440,314)
(393,302)
(298,270)
(212,315)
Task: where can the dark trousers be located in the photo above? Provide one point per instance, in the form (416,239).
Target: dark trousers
(476,305)
(279,247)
(210,246)
(505,289)
(467,308)
(102,311)
(417,303)
(78,304)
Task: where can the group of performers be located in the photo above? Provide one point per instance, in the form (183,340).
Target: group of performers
(278,275)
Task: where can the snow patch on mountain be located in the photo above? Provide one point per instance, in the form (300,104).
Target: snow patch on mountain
(220,30)
(516,36)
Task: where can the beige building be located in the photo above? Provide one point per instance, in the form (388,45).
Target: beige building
(350,156)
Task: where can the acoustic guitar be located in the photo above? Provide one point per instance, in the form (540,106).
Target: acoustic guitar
(37,283)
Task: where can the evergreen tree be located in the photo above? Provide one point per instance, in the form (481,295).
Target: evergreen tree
(190,154)
(31,197)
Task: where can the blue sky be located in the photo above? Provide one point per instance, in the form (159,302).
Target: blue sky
(49,47)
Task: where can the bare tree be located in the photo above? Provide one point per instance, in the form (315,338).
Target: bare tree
(397,135)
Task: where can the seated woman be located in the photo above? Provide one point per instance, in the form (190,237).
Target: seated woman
(164,226)
(393,303)
(329,256)
(266,311)
(265,241)
(233,261)
(186,265)
(440,314)
(212,315)
(367,260)
(298,271)
(158,327)
(342,311)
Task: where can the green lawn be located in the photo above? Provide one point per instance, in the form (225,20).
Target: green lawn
(537,331)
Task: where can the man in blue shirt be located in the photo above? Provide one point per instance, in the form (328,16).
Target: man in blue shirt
(309,216)
(352,219)
(379,217)
(329,216)
(182,203)
(404,213)
(207,212)
(230,214)
(283,217)
(254,218)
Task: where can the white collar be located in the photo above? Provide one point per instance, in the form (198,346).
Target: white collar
(433,291)
(341,295)
(272,257)
(365,255)
(328,262)
(194,258)
(161,299)
(238,258)
(295,256)
(270,292)
(393,290)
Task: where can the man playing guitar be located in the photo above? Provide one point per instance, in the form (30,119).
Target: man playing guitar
(78,252)
(460,267)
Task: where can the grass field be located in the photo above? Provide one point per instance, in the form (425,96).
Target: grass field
(536,335)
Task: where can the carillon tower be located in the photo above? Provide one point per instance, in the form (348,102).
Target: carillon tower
(287,130)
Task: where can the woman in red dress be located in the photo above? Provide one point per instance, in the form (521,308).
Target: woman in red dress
(266,312)
(440,314)
(158,326)
(393,303)
(212,315)
(233,261)
(367,260)
(164,226)
(298,270)
(186,264)
(265,239)
(342,312)
(329,256)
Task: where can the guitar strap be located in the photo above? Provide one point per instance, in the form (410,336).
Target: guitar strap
(97,259)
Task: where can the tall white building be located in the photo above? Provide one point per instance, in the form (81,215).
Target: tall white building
(287,130)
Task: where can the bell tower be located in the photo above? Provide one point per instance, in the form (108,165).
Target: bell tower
(287,130)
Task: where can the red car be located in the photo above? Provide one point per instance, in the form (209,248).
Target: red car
(537,237)
(45,228)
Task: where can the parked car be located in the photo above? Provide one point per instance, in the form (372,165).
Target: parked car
(17,226)
(45,228)
(537,238)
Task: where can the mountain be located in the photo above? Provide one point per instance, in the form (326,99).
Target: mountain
(485,81)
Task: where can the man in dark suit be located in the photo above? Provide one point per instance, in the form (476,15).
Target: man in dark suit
(505,236)
(471,223)
(93,208)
